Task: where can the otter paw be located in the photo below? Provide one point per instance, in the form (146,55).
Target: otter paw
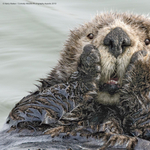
(137,67)
(137,56)
(89,61)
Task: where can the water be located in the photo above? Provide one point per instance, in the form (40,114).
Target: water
(31,37)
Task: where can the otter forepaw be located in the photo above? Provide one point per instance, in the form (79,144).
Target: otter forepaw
(136,83)
(137,71)
(89,61)
(141,55)
(138,56)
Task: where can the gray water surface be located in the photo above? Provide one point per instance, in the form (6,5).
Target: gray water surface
(32,36)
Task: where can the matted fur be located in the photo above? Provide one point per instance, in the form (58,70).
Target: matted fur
(75,99)
(137,28)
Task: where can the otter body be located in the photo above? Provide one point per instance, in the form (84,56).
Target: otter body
(100,88)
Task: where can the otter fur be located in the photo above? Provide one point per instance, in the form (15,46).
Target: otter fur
(100,87)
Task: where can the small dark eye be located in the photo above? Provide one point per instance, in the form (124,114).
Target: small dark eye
(147,41)
(90,36)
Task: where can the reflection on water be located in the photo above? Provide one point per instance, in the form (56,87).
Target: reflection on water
(31,37)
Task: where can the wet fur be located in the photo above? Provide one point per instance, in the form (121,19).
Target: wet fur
(136,26)
(69,100)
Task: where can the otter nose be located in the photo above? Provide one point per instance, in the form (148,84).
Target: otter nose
(117,40)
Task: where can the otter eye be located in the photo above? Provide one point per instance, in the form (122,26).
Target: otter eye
(147,41)
(90,36)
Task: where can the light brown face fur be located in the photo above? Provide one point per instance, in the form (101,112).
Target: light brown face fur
(137,28)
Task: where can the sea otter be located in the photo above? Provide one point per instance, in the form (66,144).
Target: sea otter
(100,88)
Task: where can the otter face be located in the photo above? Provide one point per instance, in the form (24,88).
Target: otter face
(117,37)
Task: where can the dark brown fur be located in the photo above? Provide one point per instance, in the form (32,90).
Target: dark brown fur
(68,100)
(72,49)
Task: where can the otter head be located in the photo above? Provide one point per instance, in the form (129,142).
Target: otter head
(117,37)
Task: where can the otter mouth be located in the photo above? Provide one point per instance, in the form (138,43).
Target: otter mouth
(111,86)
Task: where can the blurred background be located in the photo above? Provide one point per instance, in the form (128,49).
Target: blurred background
(32,35)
